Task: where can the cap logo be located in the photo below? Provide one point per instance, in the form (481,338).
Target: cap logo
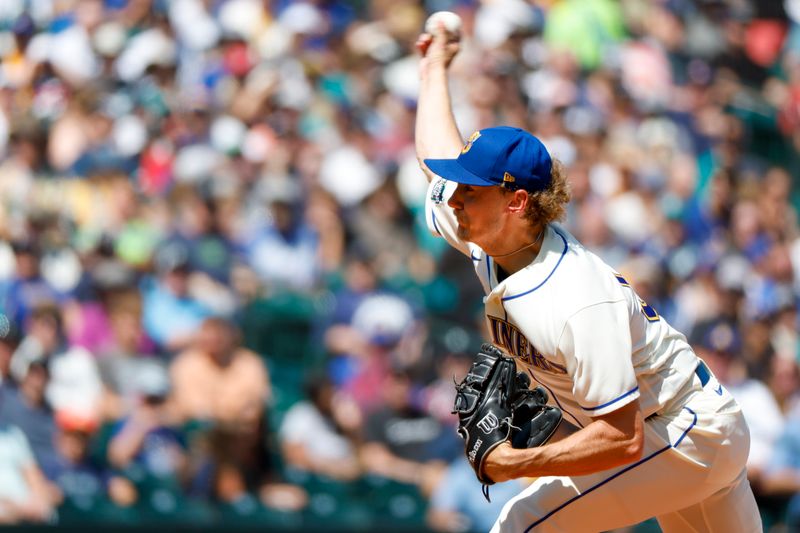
(508,178)
(472,139)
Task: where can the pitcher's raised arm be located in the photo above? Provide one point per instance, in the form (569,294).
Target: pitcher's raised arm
(436,132)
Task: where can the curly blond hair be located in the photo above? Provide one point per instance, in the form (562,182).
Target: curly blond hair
(550,204)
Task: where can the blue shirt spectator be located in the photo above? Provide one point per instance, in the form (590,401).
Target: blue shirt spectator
(457,502)
(284,253)
(170,314)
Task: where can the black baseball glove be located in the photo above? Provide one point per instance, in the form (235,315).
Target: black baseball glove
(494,404)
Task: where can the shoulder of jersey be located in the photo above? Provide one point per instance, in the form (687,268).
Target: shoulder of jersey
(582,278)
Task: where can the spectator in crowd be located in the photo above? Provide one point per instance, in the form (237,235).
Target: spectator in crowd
(225,388)
(28,288)
(317,435)
(128,353)
(80,482)
(218,380)
(42,339)
(404,443)
(457,502)
(146,440)
(360,281)
(381,331)
(170,313)
(242,463)
(74,381)
(87,316)
(24,496)
(783,380)
(208,251)
(285,251)
(380,225)
(27,408)
(150,452)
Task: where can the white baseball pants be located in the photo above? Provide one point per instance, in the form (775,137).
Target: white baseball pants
(691,477)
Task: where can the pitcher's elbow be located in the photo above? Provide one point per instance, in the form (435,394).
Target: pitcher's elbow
(635,451)
(634,447)
(428,174)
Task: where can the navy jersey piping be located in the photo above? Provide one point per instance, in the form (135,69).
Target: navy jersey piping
(624,470)
(563,253)
(690,427)
(615,400)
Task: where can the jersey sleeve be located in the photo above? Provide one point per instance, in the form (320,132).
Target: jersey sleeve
(439,216)
(596,343)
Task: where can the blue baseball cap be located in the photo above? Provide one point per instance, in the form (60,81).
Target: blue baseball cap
(504,156)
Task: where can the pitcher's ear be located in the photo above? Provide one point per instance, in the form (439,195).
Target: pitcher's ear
(518,201)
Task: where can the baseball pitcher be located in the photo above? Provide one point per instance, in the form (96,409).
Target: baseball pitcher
(657,435)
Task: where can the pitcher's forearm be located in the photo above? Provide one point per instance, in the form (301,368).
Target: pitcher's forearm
(436,134)
(610,441)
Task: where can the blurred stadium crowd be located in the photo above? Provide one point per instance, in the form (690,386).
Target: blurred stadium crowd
(220,302)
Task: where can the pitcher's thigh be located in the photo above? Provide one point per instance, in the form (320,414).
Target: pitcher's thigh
(730,510)
(660,483)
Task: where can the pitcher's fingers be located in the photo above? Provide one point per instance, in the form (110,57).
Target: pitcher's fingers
(440,33)
(423,42)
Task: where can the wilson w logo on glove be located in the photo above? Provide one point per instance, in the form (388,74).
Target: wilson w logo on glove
(489,423)
(495,401)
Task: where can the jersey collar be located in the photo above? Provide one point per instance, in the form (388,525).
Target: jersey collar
(538,272)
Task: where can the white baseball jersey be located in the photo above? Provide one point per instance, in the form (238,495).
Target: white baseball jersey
(574,324)
(580,330)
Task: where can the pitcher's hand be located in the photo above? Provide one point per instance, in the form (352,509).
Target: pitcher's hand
(436,50)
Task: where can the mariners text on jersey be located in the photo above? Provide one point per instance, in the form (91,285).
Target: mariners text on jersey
(507,335)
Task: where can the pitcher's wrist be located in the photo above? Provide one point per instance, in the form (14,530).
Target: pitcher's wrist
(497,466)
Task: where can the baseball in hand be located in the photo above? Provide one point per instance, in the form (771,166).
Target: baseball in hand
(451,21)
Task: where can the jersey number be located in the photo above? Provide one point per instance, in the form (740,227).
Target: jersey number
(647,310)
